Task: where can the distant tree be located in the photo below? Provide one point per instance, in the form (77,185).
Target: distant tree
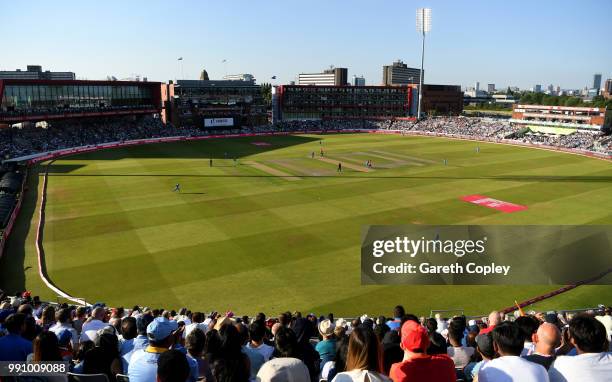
(572,101)
(266,92)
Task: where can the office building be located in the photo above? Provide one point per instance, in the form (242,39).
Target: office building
(358,81)
(400,74)
(35,72)
(597,81)
(329,77)
(491,88)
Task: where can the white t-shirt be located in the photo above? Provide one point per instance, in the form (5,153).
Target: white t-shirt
(190,327)
(359,376)
(460,355)
(512,369)
(582,367)
(263,349)
(90,330)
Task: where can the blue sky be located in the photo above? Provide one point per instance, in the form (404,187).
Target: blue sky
(516,42)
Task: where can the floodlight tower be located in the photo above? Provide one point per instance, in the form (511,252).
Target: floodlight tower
(423,25)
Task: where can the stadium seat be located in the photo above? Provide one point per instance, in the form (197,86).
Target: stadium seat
(74,377)
(122,378)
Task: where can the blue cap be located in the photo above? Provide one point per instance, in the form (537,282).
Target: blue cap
(161,328)
(64,337)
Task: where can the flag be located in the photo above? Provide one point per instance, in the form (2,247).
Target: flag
(519,308)
(224,60)
(180,59)
(273,77)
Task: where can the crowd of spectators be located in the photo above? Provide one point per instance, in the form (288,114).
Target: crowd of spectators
(19,142)
(148,345)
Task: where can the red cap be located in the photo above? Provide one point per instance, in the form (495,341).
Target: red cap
(414,336)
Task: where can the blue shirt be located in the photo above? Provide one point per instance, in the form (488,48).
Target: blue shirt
(394,324)
(143,364)
(14,347)
(326,350)
(257,360)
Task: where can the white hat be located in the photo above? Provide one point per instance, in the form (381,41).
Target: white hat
(283,370)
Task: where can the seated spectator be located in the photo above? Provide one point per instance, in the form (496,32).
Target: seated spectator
(229,363)
(13,347)
(545,340)
(197,322)
(47,319)
(257,333)
(528,325)
(364,360)
(128,334)
(64,341)
(593,362)
(330,369)
(484,346)
(284,369)
(63,322)
(45,348)
(494,319)
(195,343)
(508,343)
(255,358)
(104,357)
(161,333)
(457,352)
(172,366)
(417,365)
(304,331)
(327,347)
(392,351)
(94,323)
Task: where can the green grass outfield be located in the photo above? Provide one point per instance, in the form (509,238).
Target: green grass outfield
(242,238)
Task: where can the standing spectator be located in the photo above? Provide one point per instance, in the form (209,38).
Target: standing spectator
(592,362)
(13,347)
(398,315)
(364,360)
(304,331)
(172,366)
(508,343)
(417,365)
(257,333)
(327,347)
(546,340)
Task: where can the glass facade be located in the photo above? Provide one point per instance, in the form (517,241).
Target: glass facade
(32,99)
(317,102)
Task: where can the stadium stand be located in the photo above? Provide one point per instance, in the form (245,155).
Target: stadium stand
(114,342)
(103,342)
(21,142)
